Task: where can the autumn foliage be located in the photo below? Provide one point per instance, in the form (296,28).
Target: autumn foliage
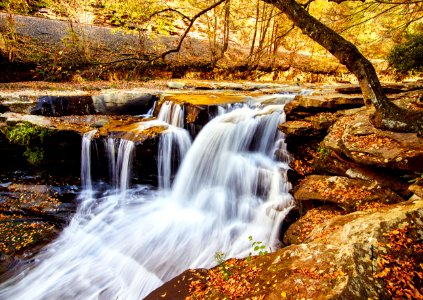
(232,279)
(401,267)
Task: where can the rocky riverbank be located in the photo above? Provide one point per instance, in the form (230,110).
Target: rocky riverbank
(358,188)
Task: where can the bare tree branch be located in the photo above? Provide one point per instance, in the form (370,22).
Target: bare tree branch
(147,58)
(370,18)
(192,21)
(168,10)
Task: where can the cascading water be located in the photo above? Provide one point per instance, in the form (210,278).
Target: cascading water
(122,246)
(174,143)
(173,146)
(172,113)
(85,160)
(120,162)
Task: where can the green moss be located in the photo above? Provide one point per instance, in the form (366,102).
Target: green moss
(25,134)
(324,152)
(34,155)
(31,137)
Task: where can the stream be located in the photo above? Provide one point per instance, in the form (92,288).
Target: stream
(214,192)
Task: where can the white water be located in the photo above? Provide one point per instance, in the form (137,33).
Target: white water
(86,164)
(119,153)
(123,244)
(172,113)
(173,146)
(174,143)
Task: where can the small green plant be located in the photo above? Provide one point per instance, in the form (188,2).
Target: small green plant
(258,248)
(417,180)
(220,259)
(325,152)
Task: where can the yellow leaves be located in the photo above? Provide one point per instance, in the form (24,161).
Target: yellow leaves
(400,267)
(236,284)
(283,295)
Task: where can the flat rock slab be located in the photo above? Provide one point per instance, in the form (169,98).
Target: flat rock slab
(349,194)
(298,128)
(314,125)
(322,103)
(330,101)
(355,137)
(124,103)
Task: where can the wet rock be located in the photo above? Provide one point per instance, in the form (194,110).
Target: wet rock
(127,103)
(342,259)
(349,194)
(353,136)
(31,215)
(55,106)
(291,218)
(7,263)
(36,200)
(144,135)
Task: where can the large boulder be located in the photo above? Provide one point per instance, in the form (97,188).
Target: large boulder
(354,136)
(347,193)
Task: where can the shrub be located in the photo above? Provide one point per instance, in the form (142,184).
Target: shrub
(408,56)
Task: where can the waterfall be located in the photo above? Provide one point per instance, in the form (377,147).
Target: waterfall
(122,246)
(172,113)
(120,162)
(86,160)
(173,145)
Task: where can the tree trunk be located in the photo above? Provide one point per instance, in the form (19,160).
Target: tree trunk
(387,114)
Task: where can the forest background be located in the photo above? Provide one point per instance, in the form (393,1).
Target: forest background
(233,40)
